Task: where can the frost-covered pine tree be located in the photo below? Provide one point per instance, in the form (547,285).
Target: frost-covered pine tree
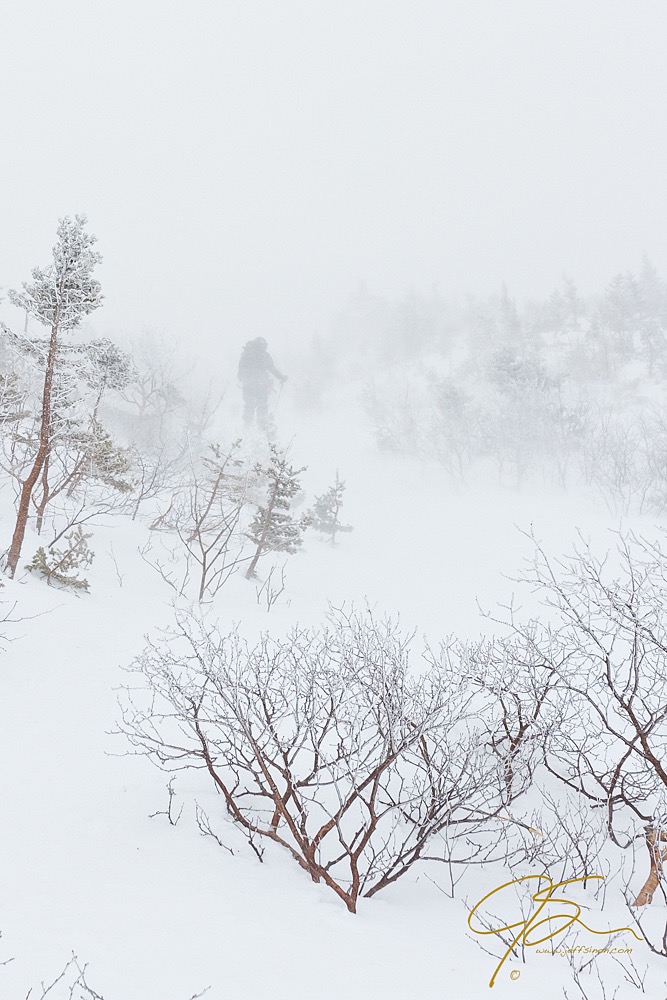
(274,528)
(59,296)
(325,516)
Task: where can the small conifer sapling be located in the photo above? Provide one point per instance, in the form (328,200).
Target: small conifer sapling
(274,528)
(325,515)
(62,565)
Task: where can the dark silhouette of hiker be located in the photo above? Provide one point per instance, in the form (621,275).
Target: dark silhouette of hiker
(256,368)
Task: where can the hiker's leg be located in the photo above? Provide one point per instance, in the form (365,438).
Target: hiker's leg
(248,405)
(262,404)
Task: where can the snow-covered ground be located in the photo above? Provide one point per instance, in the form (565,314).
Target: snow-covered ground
(158,911)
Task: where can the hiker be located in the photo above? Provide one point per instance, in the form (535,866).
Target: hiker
(255,370)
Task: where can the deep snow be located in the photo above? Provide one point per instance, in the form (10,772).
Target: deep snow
(159,912)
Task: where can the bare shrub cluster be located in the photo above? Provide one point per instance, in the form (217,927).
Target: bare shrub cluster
(543,746)
(530,431)
(197,537)
(71,983)
(328,745)
(604,650)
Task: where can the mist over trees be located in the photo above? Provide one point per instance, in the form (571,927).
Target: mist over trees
(539,746)
(564,393)
(89,430)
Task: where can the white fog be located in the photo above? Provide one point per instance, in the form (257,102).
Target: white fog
(333,495)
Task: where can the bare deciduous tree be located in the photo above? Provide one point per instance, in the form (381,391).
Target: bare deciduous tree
(204,518)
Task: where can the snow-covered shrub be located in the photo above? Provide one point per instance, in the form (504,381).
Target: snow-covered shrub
(516,684)
(164,417)
(62,565)
(395,405)
(275,527)
(71,984)
(454,426)
(325,515)
(606,650)
(529,426)
(326,744)
(201,541)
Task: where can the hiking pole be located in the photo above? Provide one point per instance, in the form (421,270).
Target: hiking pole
(271,425)
(280,392)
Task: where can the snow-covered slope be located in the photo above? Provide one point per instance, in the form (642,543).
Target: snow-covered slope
(158,911)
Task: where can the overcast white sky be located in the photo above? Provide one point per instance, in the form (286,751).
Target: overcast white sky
(244,164)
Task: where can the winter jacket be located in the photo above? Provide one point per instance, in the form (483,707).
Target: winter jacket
(256,365)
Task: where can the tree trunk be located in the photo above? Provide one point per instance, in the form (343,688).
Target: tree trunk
(250,575)
(41,506)
(14,553)
(334,528)
(657,849)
